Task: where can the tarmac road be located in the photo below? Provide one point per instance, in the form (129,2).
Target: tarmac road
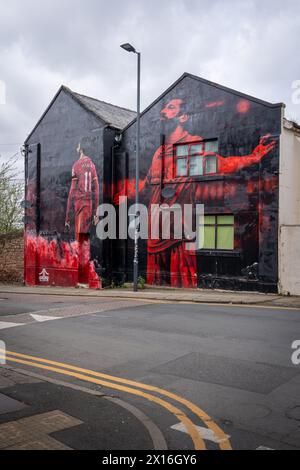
(226,371)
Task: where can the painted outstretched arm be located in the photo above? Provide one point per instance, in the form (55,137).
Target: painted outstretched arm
(70,201)
(236,163)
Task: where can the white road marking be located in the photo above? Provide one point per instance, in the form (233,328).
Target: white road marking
(206,434)
(263,448)
(42,318)
(4,325)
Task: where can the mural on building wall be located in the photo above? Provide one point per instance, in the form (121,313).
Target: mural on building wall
(177,163)
(200,144)
(82,204)
(83,198)
(61,257)
(239,194)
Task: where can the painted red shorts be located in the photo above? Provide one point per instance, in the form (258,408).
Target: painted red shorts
(83,217)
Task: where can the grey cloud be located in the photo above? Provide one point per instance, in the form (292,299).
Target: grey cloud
(249,45)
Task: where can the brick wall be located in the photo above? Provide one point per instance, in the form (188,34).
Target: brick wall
(11,257)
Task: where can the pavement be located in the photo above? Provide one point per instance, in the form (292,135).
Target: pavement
(91,371)
(47,414)
(165,294)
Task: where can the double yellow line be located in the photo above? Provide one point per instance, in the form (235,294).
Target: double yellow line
(120,384)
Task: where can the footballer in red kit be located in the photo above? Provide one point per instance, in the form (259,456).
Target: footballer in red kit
(84,194)
(171,256)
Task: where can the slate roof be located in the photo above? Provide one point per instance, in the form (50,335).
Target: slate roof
(112,115)
(122,118)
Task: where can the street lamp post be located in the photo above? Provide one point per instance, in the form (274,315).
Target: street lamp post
(129,48)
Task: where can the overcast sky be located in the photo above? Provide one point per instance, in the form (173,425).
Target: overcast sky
(252,46)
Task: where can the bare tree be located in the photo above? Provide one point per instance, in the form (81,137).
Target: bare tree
(11,195)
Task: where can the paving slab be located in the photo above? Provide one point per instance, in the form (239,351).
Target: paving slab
(62,416)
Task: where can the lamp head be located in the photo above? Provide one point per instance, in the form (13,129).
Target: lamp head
(128,47)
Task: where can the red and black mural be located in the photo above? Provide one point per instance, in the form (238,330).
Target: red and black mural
(203,144)
(62,196)
(200,144)
(83,199)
